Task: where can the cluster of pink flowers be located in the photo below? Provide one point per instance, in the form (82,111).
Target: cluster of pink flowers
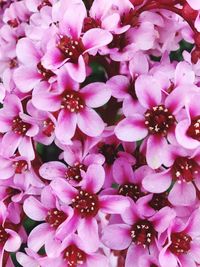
(94,82)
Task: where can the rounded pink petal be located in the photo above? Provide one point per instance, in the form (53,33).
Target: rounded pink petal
(66,126)
(90,122)
(122,171)
(91,42)
(94,178)
(10,143)
(182,194)
(131,129)
(14,241)
(182,138)
(26,148)
(119,85)
(52,170)
(96,94)
(88,230)
(34,209)
(113,204)
(158,182)
(26,78)
(38,236)
(194,4)
(166,258)
(27,52)
(97,260)
(77,71)
(140,68)
(53,58)
(148,91)
(162,219)
(121,231)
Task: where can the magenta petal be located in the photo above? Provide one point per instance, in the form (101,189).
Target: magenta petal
(131,129)
(90,122)
(12,105)
(53,58)
(182,194)
(121,231)
(52,170)
(66,126)
(94,178)
(14,241)
(148,91)
(157,182)
(34,209)
(96,94)
(77,71)
(38,236)
(26,78)
(63,190)
(122,171)
(88,230)
(113,204)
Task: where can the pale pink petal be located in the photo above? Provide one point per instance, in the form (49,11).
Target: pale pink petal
(7,172)
(140,68)
(90,122)
(77,71)
(122,171)
(162,219)
(182,138)
(184,73)
(91,42)
(10,142)
(134,253)
(63,190)
(121,231)
(96,94)
(14,241)
(88,230)
(26,52)
(192,105)
(119,85)
(194,4)
(66,126)
(187,260)
(182,194)
(25,260)
(156,149)
(97,260)
(113,204)
(72,22)
(12,105)
(52,170)
(195,250)
(26,78)
(26,148)
(94,178)
(157,182)
(148,91)
(38,236)
(166,258)
(34,209)
(131,129)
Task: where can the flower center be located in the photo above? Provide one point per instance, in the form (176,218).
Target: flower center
(131,190)
(13,23)
(3,235)
(20,127)
(109,152)
(46,74)
(48,127)
(20,166)
(159,201)
(184,169)
(194,129)
(159,120)
(90,23)
(55,217)
(70,48)
(72,101)
(119,41)
(74,256)
(86,204)
(44,3)
(74,172)
(143,233)
(180,243)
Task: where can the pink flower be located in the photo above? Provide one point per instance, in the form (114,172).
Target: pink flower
(180,245)
(19,128)
(156,120)
(69,48)
(87,203)
(74,106)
